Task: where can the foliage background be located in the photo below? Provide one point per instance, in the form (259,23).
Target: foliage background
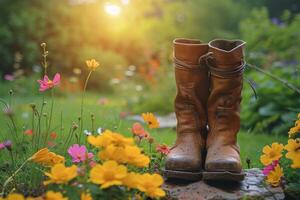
(135,49)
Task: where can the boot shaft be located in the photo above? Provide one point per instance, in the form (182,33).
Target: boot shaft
(192,85)
(226,66)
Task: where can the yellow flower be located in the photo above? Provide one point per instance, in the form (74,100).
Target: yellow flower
(128,154)
(47,158)
(132,180)
(108,138)
(271,153)
(274,177)
(86,196)
(294,130)
(293,148)
(150,184)
(151,120)
(15,197)
(61,174)
(50,195)
(134,156)
(108,174)
(92,64)
(113,152)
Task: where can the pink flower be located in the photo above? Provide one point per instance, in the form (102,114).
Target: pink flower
(2,146)
(103,101)
(46,83)
(79,153)
(6,144)
(270,167)
(9,77)
(92,163)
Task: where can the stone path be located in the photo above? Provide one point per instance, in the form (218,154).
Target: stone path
(168,121)
(252,188)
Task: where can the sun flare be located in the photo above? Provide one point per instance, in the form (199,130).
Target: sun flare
(112,9)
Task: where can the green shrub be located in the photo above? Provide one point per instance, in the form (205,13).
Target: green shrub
(272,44)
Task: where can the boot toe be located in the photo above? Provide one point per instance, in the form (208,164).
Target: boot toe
(183,163)
(228,164)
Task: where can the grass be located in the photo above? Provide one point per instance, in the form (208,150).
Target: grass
(107,116)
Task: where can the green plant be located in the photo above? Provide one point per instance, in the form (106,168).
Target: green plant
(272,46)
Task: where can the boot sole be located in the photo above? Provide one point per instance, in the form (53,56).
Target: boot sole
(183,175)
(223,176)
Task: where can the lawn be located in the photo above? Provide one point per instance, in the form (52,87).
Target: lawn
(67,110)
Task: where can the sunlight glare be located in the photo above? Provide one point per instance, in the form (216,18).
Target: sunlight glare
(112,9)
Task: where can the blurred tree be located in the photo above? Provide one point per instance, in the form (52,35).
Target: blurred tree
(275,7)
(75,32)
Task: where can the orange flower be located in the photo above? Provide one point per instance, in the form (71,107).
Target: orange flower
(46,157)
(28,132)
(163,149)
(53,135)
(151,120)
(138,130)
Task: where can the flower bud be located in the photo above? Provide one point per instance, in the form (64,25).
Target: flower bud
(74,126)
(8,145)
(43,44)
(150,140)
(33,106)
(8,111)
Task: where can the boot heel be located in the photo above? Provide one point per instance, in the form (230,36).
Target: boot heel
(183,175)
(223,176)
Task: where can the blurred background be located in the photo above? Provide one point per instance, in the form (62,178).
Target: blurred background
(132,40)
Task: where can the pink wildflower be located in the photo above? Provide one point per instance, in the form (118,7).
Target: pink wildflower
(46,83)
(270,167)
(8,145)
(79,153)
(92,163)
(9,77)
(103,101)
(2,146)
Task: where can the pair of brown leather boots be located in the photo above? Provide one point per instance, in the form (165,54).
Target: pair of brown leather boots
(209,80)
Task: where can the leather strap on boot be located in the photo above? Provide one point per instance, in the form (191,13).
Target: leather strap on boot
(222,72)
(186,66)
(226,73)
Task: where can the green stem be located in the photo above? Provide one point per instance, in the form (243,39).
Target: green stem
(14,126)
(81,107)
(45,64)
(38,128)
(61,123)
(12,158)
(50,117)
(12,177)
(284,82)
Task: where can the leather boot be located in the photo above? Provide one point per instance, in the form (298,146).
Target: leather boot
(185,158)
(226,66)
